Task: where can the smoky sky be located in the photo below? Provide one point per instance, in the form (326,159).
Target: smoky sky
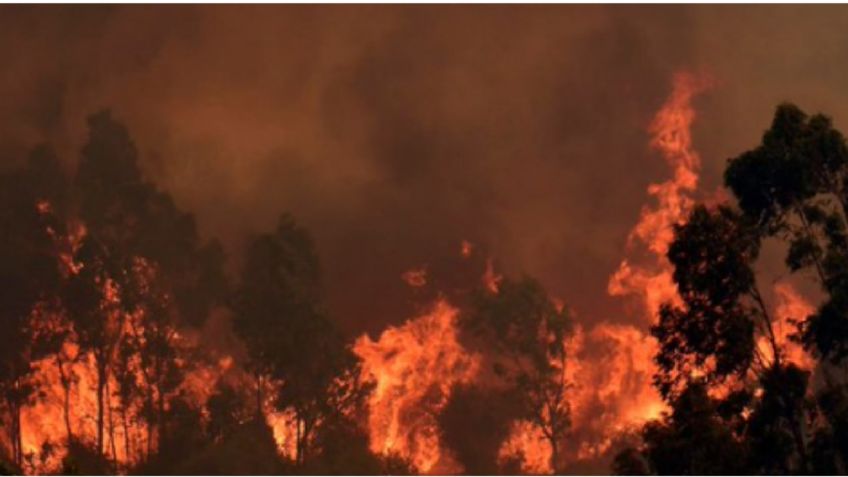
(395,132)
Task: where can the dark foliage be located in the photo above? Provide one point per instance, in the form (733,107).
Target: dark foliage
(739,405)
(474,423)
(525,331)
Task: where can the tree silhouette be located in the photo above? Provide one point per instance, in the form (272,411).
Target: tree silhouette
(692,439)
(30,274)
(527,331)
(294,349)
(142,260)
(722,309)
(793,186)
(720,337)
(713,339)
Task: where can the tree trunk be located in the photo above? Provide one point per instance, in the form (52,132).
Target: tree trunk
(304,439)
(15,434)
(66,403)
(297,446)
(554,455)
(126,426)
(67,413)
(802,447)
(113,448)
(101,383)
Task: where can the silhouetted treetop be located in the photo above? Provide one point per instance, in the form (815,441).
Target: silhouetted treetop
(799,157)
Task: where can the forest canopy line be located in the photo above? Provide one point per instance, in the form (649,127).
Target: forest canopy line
(106,282)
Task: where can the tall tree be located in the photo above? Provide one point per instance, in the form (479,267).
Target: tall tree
(793,185)
(791,188)
(142,259)
(294,348)
(527,332)
(30,275)
(713,333)
(715,339)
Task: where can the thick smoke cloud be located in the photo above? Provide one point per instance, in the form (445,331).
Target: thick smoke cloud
(393,133)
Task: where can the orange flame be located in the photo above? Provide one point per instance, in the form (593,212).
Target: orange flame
(791,308)
(610,368)
(491,278)
(42,421)
(613,368)
(414,367)
(671,135)
(527,443)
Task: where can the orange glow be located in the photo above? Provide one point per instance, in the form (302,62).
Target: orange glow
(671,136)
(791,308)
(610,369)
(627,384)
(285,431)
(414,366)
(43,421)
(527,443)
(416,278)
(466,248)
(491,278)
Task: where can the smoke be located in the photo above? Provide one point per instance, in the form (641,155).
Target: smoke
(402,136)
(391,132)
(394,132)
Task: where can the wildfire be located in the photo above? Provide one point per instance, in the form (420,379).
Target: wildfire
(414,366)
(613,366)
(671,136)
(651,280)
(610,366)
(527,444)
(285,430)
(43,421)
(791,308)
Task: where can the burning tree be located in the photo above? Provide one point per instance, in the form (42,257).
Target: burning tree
(295,353)
(144,274)
(527,331)
(721,361)
(723,338)
(29,276)
(104,267)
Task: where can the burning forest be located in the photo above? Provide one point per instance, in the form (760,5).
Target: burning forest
(410,313)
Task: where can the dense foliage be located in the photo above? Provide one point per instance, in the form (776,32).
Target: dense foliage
(739,403)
